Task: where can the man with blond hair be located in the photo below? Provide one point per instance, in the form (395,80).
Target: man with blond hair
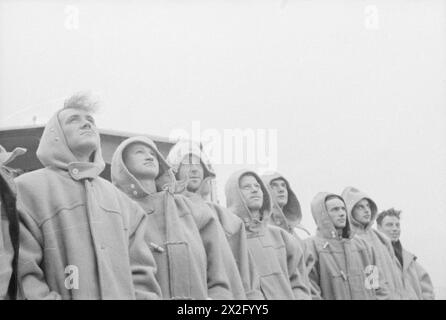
(81,238)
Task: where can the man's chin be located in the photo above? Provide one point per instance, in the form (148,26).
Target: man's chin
(281,204)
(192,188)
(254,207)
(148,175)
(89,144)
(85,148)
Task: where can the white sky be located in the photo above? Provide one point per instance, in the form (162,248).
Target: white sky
(357,99)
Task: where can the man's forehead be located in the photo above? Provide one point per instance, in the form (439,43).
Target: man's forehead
(248,178)
(65,113)
(390,219)
(135,145)
(363,201)
(191,158)
(278,180)
(334,201)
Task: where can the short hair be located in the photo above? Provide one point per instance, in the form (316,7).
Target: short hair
(81,101)
(248,174)
(277,179)
(387,213)
(334,196)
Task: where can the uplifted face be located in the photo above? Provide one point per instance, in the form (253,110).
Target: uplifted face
(191,169)
(141,161)
(337,212)
(80,132)
(279,191)
(362,212)
(251,192)
(390,226)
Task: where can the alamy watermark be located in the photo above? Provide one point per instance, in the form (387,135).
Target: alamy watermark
(72,278)
(245,146)
(371,17)
(71,21)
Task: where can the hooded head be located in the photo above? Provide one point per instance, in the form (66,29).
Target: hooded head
(291,210)
(126,181)
(237,203)
(54,148)
(325,225)
(352,198)
(182,152)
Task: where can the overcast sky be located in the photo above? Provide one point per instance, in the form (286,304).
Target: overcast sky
(356,90)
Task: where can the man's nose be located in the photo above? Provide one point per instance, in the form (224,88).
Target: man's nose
(255,189)
(193,168)
(86,124)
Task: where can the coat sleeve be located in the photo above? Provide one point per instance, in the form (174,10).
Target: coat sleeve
(213,238)
(427,289)
(6,257)
(30,273)
(237,240)
(308,258)
(8,238)
(383,292)
(142,262)
(297,270)
(312,265)
(245,262)
(254,293)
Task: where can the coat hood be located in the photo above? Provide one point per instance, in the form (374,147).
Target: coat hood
(351,197)
(184,148)
(127,182)
(237,204)
(291,211)
(53,151)
(325,226)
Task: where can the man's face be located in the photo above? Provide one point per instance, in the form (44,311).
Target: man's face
(191,168)
(80,131)
(141,161)
(362,212)
(337,212)
(390,226)
(279,191)
(251,192)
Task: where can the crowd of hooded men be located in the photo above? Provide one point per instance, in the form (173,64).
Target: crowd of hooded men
(153,233)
